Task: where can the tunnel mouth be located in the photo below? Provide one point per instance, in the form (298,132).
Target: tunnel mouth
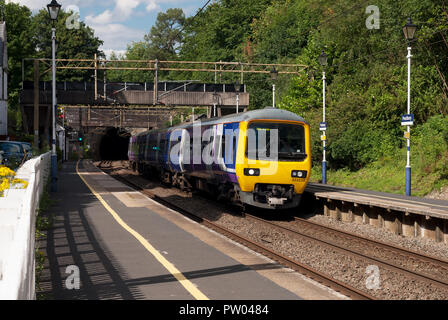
(114,144)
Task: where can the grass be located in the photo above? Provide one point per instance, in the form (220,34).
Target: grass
(43,223)
(388,175)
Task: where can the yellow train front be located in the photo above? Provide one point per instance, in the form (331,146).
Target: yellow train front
(273,160)
(260,158)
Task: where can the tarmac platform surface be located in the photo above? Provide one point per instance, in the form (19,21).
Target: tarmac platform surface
(126,246)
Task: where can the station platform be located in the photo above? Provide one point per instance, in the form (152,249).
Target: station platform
(127,246)
(403,215)
(410,204)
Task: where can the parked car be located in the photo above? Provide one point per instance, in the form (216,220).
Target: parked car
(13,153)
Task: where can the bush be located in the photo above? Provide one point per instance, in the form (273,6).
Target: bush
(360,145)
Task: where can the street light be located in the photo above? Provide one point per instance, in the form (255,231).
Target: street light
(53,11)
(409,30)
(237,89)
(323,58)
(274,74)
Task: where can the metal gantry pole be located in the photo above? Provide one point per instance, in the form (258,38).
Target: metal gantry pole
(408,152)
(54,159)
(324,159)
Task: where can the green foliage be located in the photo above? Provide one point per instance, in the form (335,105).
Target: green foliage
(360,144)
(72,43)
(429,151)
(21,45)
(165,37)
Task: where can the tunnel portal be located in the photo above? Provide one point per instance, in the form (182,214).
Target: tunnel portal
(114,144)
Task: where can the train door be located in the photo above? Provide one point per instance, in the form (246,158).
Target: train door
(228,133)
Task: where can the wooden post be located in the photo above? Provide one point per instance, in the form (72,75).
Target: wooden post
(36,104)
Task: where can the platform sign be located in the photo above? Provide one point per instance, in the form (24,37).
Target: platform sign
(323,126)
(407,120)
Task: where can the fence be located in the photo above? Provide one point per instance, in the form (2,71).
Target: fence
(18,210)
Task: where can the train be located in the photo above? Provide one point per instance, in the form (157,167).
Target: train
(259,158)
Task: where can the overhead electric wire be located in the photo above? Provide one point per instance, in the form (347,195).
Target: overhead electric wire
(194,17)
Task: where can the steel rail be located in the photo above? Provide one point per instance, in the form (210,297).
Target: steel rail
(427,278)
(416,255)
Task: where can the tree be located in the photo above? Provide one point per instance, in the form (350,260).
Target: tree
(165,38)
(21,45)
(71,43)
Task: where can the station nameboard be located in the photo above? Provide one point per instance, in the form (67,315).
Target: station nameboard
(323,126)
(407,120)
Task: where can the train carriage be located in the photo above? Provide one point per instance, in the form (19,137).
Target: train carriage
(260,158)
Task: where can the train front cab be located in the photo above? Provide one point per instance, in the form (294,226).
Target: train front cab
(274,184)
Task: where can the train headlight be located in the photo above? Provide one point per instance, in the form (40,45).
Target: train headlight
(251,172)
(299,173)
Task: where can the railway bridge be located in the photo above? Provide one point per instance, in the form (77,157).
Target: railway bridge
(119,109)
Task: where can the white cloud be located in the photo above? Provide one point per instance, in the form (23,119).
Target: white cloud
(152,6)
(109,17)
(103,18)
(118,53)
(122,11)
(116,36)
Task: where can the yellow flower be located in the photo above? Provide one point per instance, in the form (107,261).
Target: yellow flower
(17,181)
(4,185)
(6,172)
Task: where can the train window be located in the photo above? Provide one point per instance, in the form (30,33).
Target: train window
(289,140)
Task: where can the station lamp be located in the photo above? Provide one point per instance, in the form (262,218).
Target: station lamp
(215,102)
(237,89)
(53,9)
(323,58)
(409,31)
(274,74)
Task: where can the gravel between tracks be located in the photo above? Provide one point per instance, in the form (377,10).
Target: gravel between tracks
(352,270)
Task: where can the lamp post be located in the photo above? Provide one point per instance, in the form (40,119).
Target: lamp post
(237,89)
(274,74)
(409,30)
(323,62)
(53,10)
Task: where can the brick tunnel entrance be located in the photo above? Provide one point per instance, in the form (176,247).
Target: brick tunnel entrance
(113,145)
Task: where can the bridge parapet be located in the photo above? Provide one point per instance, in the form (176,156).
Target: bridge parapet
(168,94)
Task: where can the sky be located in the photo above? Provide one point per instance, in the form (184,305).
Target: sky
(118,22)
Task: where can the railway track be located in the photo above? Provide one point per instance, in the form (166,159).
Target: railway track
(345,243)
(315,232)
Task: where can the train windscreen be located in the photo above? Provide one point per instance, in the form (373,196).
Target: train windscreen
(266,139)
